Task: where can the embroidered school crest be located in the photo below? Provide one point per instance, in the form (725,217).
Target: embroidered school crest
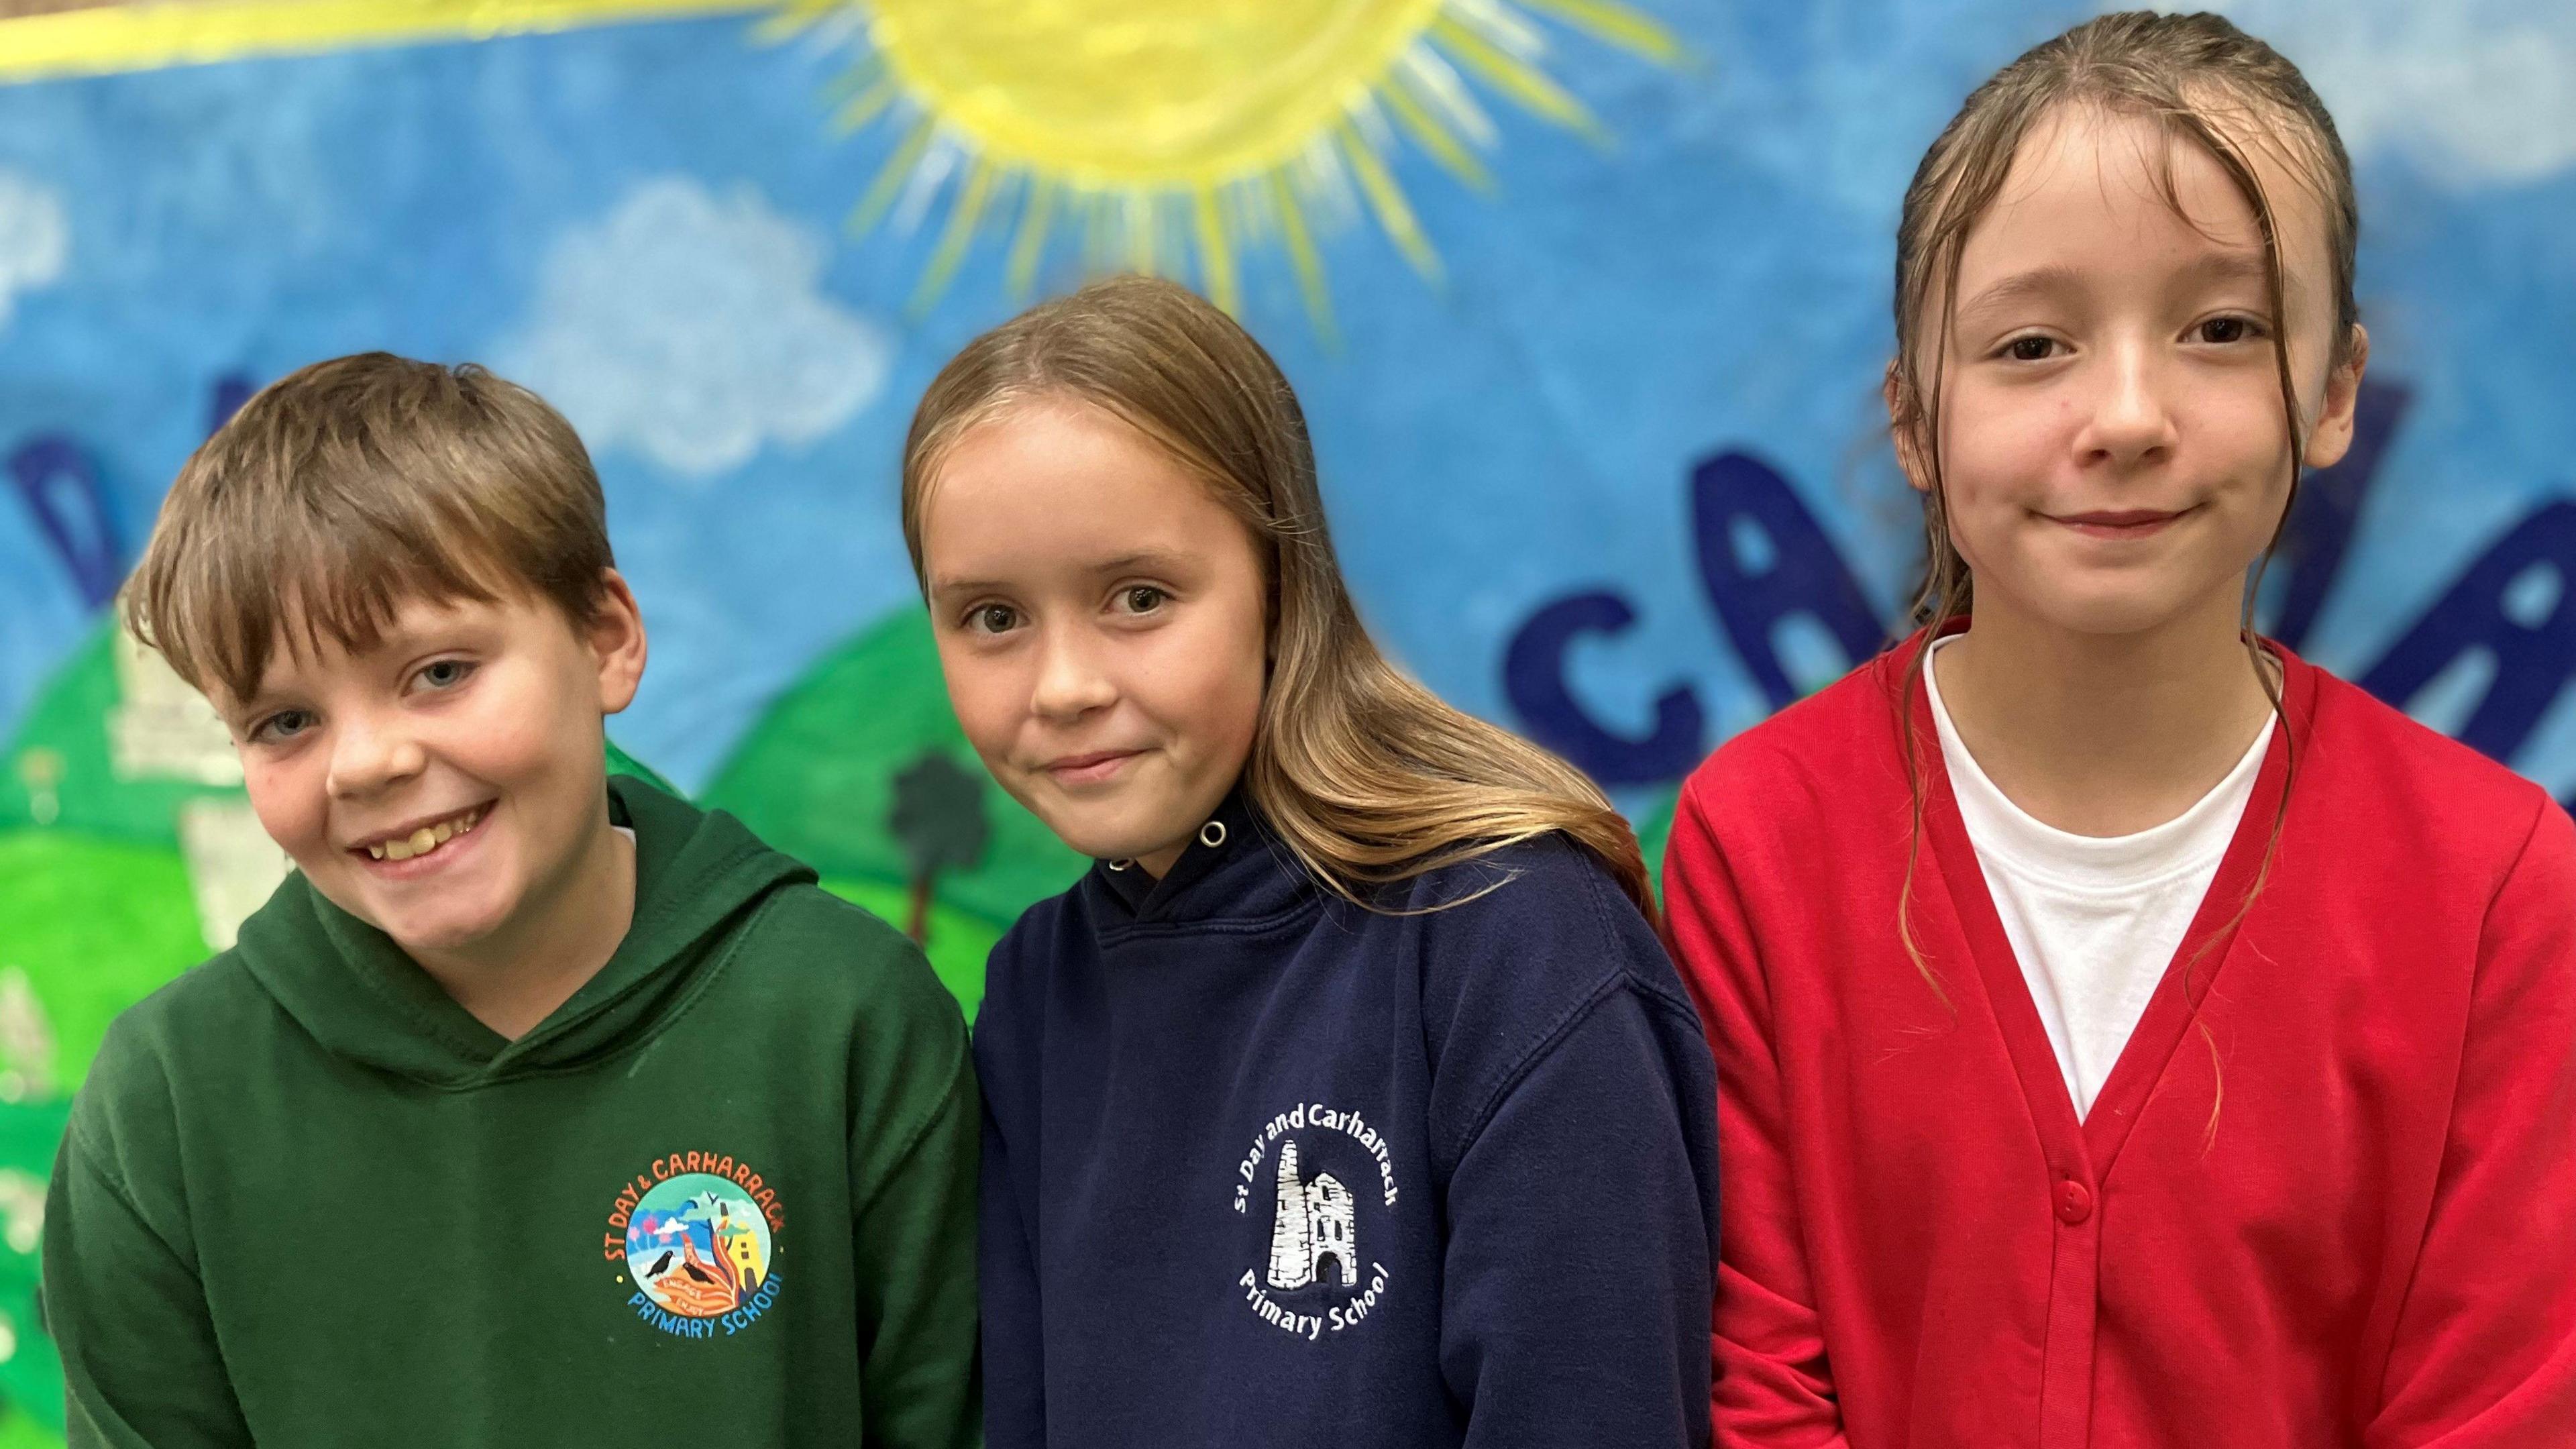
(1316,1277)
(695,1238)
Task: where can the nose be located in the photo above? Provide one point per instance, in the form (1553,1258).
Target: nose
(2131,421)
(1070,682)
(370,754)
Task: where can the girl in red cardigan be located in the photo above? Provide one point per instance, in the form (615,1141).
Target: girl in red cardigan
(2128,1034)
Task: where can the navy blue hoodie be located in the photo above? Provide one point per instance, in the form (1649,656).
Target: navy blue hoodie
(1263,1168)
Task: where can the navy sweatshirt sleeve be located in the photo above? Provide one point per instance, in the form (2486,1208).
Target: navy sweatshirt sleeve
(1581,1186)
(1006,1267)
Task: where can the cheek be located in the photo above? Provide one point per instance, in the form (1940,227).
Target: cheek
(1229,668)
(291,799)
(987,696)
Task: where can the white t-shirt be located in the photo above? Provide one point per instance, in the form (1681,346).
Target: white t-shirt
(2093,920)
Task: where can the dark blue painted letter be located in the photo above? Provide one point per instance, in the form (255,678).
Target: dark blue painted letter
(1741,506)
(2534,655)
(1534,681)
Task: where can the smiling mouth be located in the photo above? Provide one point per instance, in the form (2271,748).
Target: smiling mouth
(428,838)
(1091,768)
(2125,523)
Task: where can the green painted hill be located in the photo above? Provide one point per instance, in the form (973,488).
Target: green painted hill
(815,777)
(68,722)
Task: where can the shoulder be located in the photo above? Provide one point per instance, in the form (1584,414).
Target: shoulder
(1525,938)
(2370,773)
(813,952)
(1028,955)
(183,1039)
(1845,735)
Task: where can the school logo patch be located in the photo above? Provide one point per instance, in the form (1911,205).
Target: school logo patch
(695,1239)
(1317,1276)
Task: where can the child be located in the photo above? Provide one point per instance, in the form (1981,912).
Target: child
(534,1109)
(1349,1099)
(2128,1034)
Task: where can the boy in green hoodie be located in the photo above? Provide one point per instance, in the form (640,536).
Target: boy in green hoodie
(535,1108)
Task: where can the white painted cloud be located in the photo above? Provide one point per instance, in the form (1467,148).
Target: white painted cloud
(2480,90)
(692,327)
(35,239)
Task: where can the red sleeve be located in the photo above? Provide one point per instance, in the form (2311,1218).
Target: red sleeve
(2485,1349)
(1771,1385)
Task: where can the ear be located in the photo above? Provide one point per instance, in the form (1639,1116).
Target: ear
(2332,435)
(1904,428)
(616,639)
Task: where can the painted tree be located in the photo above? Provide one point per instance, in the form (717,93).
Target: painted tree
(939,821)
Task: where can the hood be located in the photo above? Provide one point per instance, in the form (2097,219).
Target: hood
(698,876)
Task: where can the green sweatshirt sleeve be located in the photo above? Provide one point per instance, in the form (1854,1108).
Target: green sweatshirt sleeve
(141,1369)
(914,1154)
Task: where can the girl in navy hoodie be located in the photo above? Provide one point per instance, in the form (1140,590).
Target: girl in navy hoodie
(1348,1099)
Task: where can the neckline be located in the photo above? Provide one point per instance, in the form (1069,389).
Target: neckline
(2084,1148)
(2032,846)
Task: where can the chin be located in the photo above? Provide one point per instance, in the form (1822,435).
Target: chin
(1106,834)
(2113,612)
(445,929)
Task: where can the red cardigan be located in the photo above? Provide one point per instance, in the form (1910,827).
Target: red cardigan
(2327,1196)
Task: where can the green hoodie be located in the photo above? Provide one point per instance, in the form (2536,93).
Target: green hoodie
(723,1196)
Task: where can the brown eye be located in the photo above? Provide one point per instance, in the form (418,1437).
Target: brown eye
(2031,349)
(2223,330)
(1145,599)
(994,618)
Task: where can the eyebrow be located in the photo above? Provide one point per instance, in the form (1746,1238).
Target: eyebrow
(1147,559)
(2229,265)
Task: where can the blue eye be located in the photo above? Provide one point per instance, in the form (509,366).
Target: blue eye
(282,726)
(445,673)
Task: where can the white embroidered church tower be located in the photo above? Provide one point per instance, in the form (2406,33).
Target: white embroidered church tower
(1315,1225)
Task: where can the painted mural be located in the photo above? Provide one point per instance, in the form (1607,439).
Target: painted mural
(1586,299)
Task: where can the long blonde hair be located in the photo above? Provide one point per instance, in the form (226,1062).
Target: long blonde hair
(2206,84)
(1366,775)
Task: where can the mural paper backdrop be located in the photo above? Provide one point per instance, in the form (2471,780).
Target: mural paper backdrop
(1587,302)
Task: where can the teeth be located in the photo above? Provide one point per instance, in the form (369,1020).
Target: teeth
(427,838)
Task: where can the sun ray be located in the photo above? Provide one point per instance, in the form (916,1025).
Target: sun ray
(1432,135)
(1302,256)
(865,72)
(1445,91)
(1386,198)
(891,177)
(1187,137)
(1506,27)
(1037,216)
(794,18)
(1216,258)
(921,189)
(870,103)
(1137,210)
(1515,77)
(955,238)
(1615,24)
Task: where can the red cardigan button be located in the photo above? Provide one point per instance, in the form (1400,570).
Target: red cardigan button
(2074,1202)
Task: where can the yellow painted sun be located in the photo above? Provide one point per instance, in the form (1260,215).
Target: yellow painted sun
(1180,135)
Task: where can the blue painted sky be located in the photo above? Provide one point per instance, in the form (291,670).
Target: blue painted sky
(646,222)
